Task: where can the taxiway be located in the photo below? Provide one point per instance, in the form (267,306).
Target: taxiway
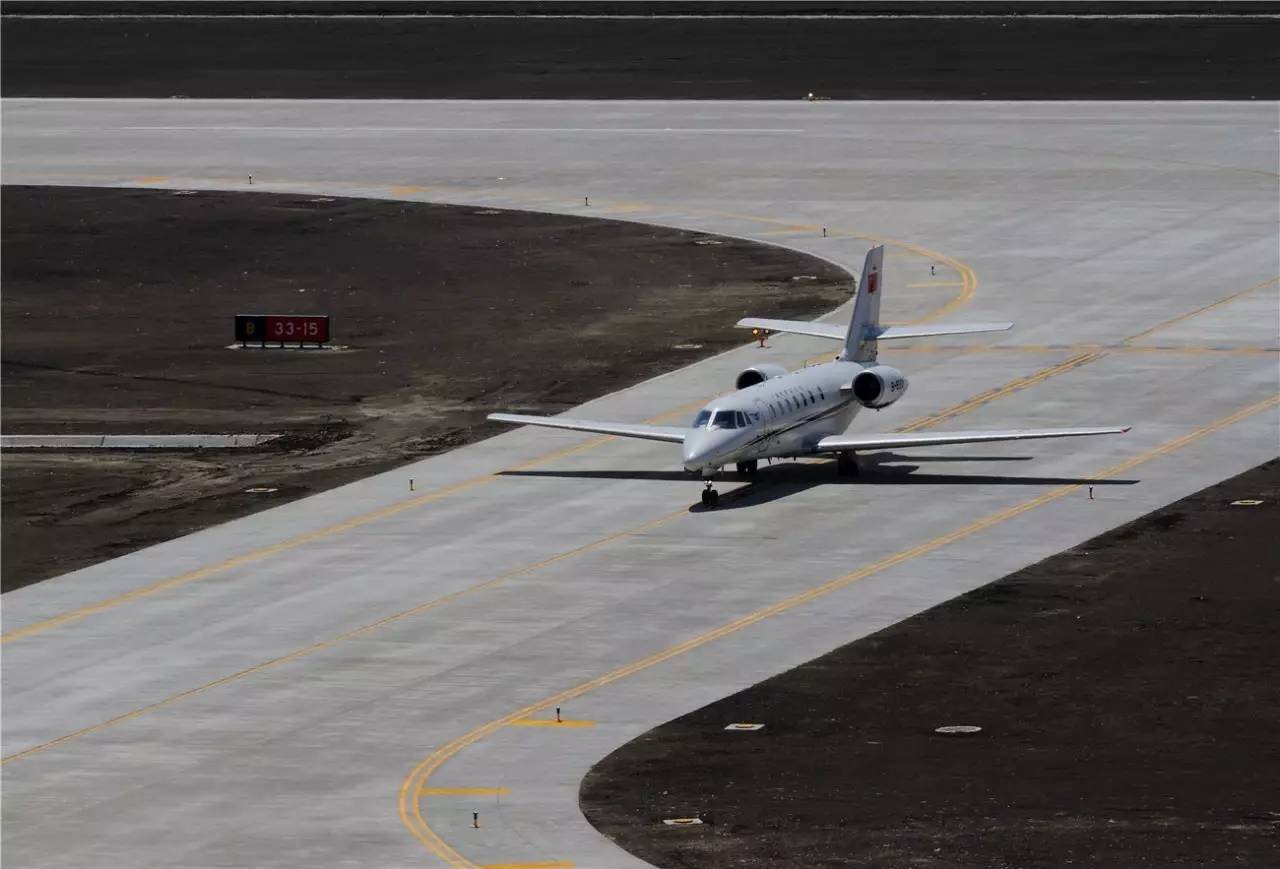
(346,679)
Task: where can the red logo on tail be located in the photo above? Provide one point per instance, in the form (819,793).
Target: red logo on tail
(873,281)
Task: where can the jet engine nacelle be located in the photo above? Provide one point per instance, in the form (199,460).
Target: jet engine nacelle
(879,386)
(759,374)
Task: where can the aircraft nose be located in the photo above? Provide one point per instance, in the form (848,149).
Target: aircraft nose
(700,448)
(694,449)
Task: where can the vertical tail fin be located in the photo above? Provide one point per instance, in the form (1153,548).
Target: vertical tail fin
(860,343)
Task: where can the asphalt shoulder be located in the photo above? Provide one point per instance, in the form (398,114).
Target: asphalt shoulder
(915,57)
(1125,691)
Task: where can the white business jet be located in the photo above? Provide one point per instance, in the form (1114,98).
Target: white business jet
(776,414)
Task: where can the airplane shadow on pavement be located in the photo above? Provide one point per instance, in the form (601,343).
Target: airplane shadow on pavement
(786,478)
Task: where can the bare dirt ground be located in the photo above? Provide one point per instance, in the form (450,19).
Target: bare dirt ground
(1126,690)
(118,308)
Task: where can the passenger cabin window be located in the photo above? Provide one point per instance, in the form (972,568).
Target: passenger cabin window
(701,419)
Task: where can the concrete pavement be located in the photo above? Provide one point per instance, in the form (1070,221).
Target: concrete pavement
(313,684)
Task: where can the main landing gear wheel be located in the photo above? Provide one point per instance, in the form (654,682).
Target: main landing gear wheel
(747,469)
(846,464)
(710,497)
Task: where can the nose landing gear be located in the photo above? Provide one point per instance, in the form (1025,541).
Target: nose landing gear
(710,497)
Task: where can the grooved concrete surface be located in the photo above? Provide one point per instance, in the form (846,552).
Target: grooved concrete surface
(220,709)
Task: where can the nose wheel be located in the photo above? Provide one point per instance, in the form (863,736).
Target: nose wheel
(710,497)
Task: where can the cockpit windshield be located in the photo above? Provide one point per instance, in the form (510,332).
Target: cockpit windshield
(724,419)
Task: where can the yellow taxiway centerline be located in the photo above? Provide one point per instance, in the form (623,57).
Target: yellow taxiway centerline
(915,425)
(411,814)
(970,282)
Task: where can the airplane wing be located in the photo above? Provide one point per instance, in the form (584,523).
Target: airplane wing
(884,333)
(840,443)
(669,433)
(796,327)
(838,332)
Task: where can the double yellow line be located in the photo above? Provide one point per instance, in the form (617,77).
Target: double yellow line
(410,806)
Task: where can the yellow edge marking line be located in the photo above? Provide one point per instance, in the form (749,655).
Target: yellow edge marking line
(411,810)
(550,722)
(968,278)
(914,425)
(428,605)
(464,792)
(393,509)
(1209,307)
(277,548)
(349,635)
(1190,350)
(1001,391)
(1092,354)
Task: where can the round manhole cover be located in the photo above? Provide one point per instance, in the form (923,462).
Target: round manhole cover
(958,729)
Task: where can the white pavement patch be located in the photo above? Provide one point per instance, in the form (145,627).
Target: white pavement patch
(135,442)
(261,690)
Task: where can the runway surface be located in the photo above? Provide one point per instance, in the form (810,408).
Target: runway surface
(345,679)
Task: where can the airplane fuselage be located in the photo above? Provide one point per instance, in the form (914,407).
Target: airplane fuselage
(776,414)
(784,416)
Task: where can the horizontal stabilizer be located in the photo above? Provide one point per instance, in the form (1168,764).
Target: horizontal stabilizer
(877,333)
(898,440)
(796,327)
(669,433)
(885,333)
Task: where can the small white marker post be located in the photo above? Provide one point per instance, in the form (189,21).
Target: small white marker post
(558,721)
(411,484)
(251,178)
(824,232)
(586,200)
(475,820)
(1091,493)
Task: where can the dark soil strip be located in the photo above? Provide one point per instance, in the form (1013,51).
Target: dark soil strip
(1126,690)
(118,308)
(1221,57)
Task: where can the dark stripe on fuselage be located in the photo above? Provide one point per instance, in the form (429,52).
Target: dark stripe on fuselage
(798,423)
